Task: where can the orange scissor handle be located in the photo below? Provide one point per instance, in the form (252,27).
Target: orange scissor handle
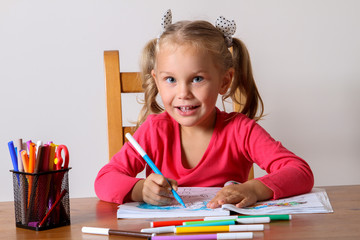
(60,160)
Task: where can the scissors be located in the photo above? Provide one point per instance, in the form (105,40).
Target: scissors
(59,176)
(59,158)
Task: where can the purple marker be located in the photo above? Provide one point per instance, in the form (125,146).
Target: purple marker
(28,144)
(234,235)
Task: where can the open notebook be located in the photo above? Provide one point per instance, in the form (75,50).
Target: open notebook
(316,201)
(196,198)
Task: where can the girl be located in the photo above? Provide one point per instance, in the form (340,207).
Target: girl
(191,141)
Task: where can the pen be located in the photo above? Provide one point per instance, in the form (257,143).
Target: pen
(38,144)
(169,229)
(51,156)
(19,149)
(14,158)
(58,200)
(33,209)
(230,228)
(272,217)
(32,157)
(210,223)
(43,182)
(243,235)
(45,161)
(108,231)
(198,229)
(172,222)
(13,155)
(165,229)
(39,159)
(25,160)
(51,167)
(31,166)
(238,220)
(23,180)
(151,164)
(28,144)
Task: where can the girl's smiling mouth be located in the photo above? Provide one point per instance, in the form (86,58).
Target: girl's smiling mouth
(187,108)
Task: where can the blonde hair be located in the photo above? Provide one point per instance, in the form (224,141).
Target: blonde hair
(203,35)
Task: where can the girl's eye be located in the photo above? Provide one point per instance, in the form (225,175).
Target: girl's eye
(170,80)
(197,79)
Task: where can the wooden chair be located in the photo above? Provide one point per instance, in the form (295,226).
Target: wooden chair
(116,83)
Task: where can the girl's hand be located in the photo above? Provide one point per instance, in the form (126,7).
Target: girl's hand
(242,195)
(155,190)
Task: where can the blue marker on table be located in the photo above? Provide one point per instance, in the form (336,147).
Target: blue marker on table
(151,164)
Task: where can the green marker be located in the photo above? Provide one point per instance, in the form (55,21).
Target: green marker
(275,217)
(220,222)
(272,217)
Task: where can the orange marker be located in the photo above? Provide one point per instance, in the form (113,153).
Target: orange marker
(32,157)
(25,160)
(31,167)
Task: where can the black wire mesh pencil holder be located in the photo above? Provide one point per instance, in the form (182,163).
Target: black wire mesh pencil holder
(41,199)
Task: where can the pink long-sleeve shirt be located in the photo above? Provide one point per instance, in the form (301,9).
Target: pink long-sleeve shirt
(237,142)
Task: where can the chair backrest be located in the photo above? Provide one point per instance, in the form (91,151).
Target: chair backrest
(123,82)
(117,83)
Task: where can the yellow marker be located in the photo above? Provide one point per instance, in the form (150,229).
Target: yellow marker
(230,228)
(51,157)
(51,167)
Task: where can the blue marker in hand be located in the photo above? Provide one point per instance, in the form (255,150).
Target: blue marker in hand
(151,164)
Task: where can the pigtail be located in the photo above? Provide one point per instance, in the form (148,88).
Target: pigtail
(147,64)
(244,83)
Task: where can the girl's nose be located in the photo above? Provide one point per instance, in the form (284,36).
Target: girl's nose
(184,91)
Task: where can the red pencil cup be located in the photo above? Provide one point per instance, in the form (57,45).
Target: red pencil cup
(41,199)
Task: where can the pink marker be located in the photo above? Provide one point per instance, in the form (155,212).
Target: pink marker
(235,235)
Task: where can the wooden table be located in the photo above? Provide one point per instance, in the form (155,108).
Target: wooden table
(344,223)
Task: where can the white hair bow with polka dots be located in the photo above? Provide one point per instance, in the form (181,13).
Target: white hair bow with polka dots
(227,27)
(166,20)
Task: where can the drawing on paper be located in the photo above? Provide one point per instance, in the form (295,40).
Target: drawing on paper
(195,199)
(195,202)
(276,204)
(195,206)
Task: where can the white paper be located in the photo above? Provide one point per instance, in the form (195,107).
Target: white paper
(316,201)
(195,199)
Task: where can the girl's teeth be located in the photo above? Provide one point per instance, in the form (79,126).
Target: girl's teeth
(185,109)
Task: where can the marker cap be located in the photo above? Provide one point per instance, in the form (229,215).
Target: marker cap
(252,227)
(254,220)
(94,230)
(167,229)
(135,144)
(235,235)
(221,218)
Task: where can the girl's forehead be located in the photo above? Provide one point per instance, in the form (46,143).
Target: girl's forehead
(168,48)
(189,51)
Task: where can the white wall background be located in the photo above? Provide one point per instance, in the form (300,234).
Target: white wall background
(305,56)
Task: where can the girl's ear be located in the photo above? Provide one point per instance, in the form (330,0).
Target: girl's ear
(227,79)
(154,76)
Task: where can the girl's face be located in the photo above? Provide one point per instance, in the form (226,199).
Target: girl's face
(189,83)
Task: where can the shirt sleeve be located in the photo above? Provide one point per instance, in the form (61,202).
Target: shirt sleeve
(117,178)
(288,174)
